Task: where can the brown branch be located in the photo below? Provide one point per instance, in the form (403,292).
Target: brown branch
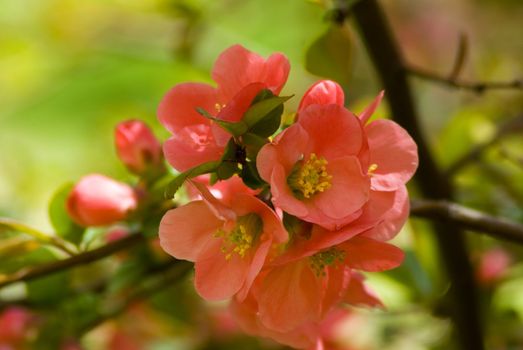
(31,273)
(469,219)
(475,86)
(391,68)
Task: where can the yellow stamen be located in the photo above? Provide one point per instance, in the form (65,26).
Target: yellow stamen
(372,169)
(218,107)
(241,237)
(310,177)
(319,261)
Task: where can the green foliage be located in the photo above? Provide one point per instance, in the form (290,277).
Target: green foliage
(330,55)
(178,181)
(62,223)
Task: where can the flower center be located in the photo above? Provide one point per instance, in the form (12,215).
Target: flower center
(319,261)
(310,177)
(242,236)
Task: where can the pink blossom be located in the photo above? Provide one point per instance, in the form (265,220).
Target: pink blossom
(97,200)
(229,244)
(324,168)
(493,266)
(223,190)
(240,75)
(14,325)
(137,147)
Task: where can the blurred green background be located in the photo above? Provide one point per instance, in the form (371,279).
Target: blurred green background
(70,70)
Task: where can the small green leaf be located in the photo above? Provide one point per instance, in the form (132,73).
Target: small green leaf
(330,56)
(201,169)
(236,129)
(62,223)
(261,112)
(253,143)
(251,177)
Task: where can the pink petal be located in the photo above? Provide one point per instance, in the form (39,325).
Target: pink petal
(349,189)
(191,146)
(217,278)
(369,111)
(235,109)
(289,297)
(334,288)
(185,230)
(394,219)
(286,149)
(282,196)
(333,131)
(359,294)
(394,152)
(178,108)
(369,255)
(323,92)
(237,67)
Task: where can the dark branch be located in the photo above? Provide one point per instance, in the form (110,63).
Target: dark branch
(477,87)
(469,219)
(31,273)
(391,68)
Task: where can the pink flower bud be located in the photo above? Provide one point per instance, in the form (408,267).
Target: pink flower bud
(97,200)
(14,323)
(137,147)
(323,92)
(493,266)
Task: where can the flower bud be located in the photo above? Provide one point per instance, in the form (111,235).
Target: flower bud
(97,200)
(323,92)
(137,147)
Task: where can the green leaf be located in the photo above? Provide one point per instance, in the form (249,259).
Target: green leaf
(330,56)
(235,128)
(62,223)
(253,143)
(251,177)
(263,115)
(201,169)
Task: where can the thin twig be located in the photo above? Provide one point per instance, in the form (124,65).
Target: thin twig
(476,86)
(468,218)
(31,273)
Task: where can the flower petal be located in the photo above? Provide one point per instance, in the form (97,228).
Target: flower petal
(323,92)
(334,131)
(369,111)
(289,297)
(370,255)
(349,189)
(237,67)
(217,278)
(185,230)
(282,196)
(178,108)
(191,146)
(359,294)
(394,218)
(394,152)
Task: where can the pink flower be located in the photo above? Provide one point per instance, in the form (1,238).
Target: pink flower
(97,200)
(14,325)
(493,266)
(240,75)
(137,147)
(324,168)
(305,290)
(339,285)
(229,244)
(223,190)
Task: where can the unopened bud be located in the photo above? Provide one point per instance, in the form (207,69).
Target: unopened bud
(97,200)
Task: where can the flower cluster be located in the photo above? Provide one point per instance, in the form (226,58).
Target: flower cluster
(282,225)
